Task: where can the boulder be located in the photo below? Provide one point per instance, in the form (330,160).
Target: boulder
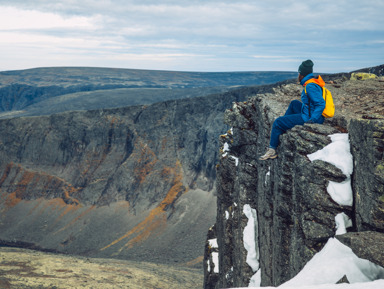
(367,245)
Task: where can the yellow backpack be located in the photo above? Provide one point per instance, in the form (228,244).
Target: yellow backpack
(329,110)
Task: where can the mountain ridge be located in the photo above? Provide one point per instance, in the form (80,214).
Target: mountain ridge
(42,90)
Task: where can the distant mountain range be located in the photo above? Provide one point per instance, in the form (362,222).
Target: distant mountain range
(43,91)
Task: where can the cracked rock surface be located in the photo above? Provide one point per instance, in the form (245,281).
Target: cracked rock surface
(296,215)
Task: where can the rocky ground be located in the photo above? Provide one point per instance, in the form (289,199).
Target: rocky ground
(21,268)
(353,98)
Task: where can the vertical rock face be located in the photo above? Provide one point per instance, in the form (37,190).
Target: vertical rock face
(367,142)
(296,214)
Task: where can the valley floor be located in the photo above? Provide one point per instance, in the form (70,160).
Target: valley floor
(21,268)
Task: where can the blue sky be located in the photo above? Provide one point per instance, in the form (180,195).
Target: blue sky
(210,35)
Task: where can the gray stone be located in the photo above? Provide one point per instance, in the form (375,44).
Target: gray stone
(343,280)
(367,147)
(366,245)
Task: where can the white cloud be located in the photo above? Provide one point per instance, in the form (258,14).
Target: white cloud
(15,19)
(241,35)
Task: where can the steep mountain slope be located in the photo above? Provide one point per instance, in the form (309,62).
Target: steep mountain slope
(133,182)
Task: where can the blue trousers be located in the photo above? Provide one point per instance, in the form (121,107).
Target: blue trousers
(291,118)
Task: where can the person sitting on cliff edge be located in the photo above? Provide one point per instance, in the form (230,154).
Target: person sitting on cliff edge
(308,110)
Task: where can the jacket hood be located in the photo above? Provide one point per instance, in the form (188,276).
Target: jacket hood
(317,80)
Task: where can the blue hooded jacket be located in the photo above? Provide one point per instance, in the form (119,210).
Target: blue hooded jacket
(315,96)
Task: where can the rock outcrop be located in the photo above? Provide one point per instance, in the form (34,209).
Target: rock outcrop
(366,245)
(295,213)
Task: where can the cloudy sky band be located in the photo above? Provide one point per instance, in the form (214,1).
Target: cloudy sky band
(192,35)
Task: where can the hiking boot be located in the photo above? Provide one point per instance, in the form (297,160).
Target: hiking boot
(270,154)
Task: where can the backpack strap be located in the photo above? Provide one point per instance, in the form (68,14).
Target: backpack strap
(309,101)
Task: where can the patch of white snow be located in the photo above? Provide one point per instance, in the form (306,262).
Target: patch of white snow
(213,243)
(342,223)
(215,259)
(255,280)
(236,160)
(251,242)
(378,284)
(341,193)
(267,174)
(333,262)
(338,153)
(225,150)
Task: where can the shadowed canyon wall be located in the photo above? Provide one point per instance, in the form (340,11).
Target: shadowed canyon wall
(134,182)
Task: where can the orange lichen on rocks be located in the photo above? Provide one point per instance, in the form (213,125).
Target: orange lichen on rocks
(23,183)
(53,204)
(176,189)
(68,191)
(155,222)
(74,220)
(67,209)
(12,200)
(31,184)
(145,160)
(19,184)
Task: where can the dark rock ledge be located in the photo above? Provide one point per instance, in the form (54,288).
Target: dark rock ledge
(296,215)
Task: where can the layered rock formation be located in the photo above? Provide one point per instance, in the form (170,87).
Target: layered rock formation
(133,182)
(288,196)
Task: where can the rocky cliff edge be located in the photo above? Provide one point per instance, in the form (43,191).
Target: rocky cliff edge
(288,196)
